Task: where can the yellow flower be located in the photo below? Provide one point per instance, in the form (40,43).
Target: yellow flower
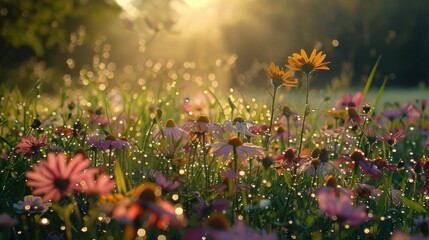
(280,77)
(301,62)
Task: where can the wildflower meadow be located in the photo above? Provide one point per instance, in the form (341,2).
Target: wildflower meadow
(90,163)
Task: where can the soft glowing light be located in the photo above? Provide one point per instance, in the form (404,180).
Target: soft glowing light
(198,3)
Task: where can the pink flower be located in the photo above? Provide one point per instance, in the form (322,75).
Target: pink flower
(341,208)
(393,137)
(348,100)
(103,185)
(226,148)
(30,145)
(56,177)
(171,131)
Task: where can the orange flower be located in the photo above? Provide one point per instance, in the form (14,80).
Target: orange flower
(301,62)
(280,77)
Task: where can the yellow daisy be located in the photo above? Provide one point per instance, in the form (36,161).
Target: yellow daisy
(301,62)
(280,77)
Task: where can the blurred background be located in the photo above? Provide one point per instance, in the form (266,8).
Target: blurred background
(221,42)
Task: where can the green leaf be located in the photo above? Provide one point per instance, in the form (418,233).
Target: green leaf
(412,204)
(370,78)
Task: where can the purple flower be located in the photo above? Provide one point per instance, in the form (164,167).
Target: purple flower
(110,142)
(205,208)
(31,205)
(170,186)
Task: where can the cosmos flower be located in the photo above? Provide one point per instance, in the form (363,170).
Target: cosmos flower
(58,177)
(341,208)
(31,205)
(225,148)
(301,62)
(279,77)
(30,145)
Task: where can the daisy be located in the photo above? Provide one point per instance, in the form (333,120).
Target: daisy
(31,145)
(58,177)
(279,77)
(225,148)
(301,62)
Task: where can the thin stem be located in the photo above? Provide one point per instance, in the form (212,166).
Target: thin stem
(307,106)
(267,140)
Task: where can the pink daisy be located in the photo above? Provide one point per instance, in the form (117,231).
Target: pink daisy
(225,148)
(57,177)
(30,145)
(341,208)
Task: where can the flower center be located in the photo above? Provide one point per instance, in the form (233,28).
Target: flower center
(170,123)
(281,130)
(218,222)
(353,114)
(307,68)
(62,184)
(357,156)
(203,119)
(238,119)
(324,155)
(235,142)
(110,138)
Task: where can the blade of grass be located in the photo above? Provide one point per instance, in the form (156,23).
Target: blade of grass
(380,92)
(370,78)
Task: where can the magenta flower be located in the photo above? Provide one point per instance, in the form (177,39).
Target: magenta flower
(57,177)
(225,148)
(206,208)
(30,145)
(341,208)
(31,205)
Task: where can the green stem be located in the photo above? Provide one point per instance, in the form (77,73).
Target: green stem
(267,140)
(307,106)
